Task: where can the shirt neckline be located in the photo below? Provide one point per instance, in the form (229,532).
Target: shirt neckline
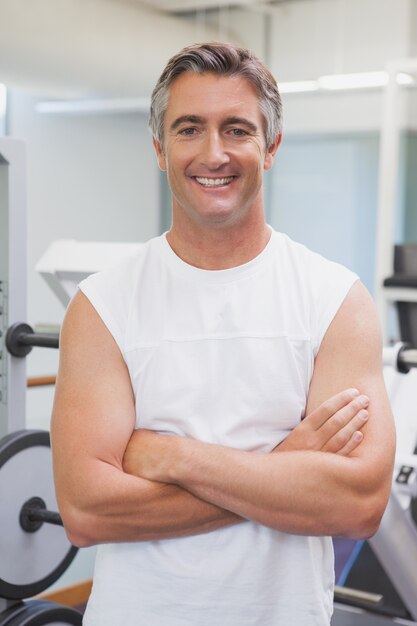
(215,276)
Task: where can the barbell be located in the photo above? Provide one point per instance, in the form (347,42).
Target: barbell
(34,548)
(40,613)
(20,338)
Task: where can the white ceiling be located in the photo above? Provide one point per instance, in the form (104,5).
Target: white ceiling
(99,48)
(180,6)
(88,48)
(172,6)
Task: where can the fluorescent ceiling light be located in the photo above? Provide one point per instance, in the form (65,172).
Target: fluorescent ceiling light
(3,100)
(361,80)
(298,86)
(405,79)
(334,82)
(113,105)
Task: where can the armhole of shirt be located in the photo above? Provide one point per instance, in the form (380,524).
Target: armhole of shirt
(329,301)
(89,289)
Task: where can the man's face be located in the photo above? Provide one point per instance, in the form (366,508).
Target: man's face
(214,149)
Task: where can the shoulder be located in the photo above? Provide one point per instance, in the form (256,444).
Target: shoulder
(350,354)
(317,284)
(312,264)
(355,329)
(116,276)
(109,293)
(320,276)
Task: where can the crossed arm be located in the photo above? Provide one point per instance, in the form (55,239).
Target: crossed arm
(115,486)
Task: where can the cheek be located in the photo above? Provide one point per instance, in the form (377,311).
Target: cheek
(177,160)
(256,156)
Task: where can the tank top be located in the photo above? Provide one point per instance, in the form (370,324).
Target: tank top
(225,357)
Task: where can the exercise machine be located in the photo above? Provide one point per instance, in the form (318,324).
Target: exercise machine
(383,571)
(34,549)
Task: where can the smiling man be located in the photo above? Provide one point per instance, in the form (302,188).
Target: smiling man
(220,410)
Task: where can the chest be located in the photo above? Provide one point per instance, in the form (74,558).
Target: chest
(229,364)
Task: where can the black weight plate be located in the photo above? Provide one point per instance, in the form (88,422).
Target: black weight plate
(40,613)
(29,562)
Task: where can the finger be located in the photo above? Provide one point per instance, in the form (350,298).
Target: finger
(344,435)
(343,417)
(331,406)
(355,440)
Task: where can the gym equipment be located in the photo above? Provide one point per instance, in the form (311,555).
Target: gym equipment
(66,262)
(405,278)
(400,357)
(21,337)
(388,176)
(380,583)
(383,571)
(12,272)
(40,613)
(34,549)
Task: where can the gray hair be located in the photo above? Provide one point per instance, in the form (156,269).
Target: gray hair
(225,60)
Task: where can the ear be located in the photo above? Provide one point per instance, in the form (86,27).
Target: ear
(159,155)
(271,151)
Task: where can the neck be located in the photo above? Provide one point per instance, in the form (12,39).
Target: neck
(219,248)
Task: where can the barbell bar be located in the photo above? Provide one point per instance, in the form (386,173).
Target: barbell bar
(21,338)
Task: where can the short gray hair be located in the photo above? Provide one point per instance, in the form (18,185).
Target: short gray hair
(225,60)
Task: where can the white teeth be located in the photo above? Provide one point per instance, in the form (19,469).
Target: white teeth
(213,182)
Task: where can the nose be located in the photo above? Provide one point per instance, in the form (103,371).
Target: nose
(213,151)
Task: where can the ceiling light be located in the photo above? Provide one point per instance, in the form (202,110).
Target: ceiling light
(405,79)
(298,86)
(361,80)
(112,105)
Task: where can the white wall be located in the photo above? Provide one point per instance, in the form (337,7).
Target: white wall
(327,37)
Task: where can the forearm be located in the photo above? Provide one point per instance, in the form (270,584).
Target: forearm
(311,493)
(118,507)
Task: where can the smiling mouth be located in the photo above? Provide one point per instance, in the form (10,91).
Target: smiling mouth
(213,182)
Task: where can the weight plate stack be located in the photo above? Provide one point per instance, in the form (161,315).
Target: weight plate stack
(30,561)
(40,613)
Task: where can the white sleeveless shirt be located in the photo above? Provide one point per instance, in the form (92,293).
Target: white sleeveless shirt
(224,357)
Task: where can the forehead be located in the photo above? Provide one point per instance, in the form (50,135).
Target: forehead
(208,94)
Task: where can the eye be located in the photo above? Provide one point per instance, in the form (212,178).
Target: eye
(238,132)
(187,132)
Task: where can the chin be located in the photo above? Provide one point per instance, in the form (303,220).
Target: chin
(219,218)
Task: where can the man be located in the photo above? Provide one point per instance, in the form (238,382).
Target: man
(185,374)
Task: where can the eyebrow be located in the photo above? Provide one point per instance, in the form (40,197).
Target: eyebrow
(242,121)
(186,119)
(197,119)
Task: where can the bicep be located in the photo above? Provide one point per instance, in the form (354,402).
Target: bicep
(351,356)
(94,411)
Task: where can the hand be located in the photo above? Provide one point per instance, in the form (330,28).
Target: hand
(150,455)
(335,426)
